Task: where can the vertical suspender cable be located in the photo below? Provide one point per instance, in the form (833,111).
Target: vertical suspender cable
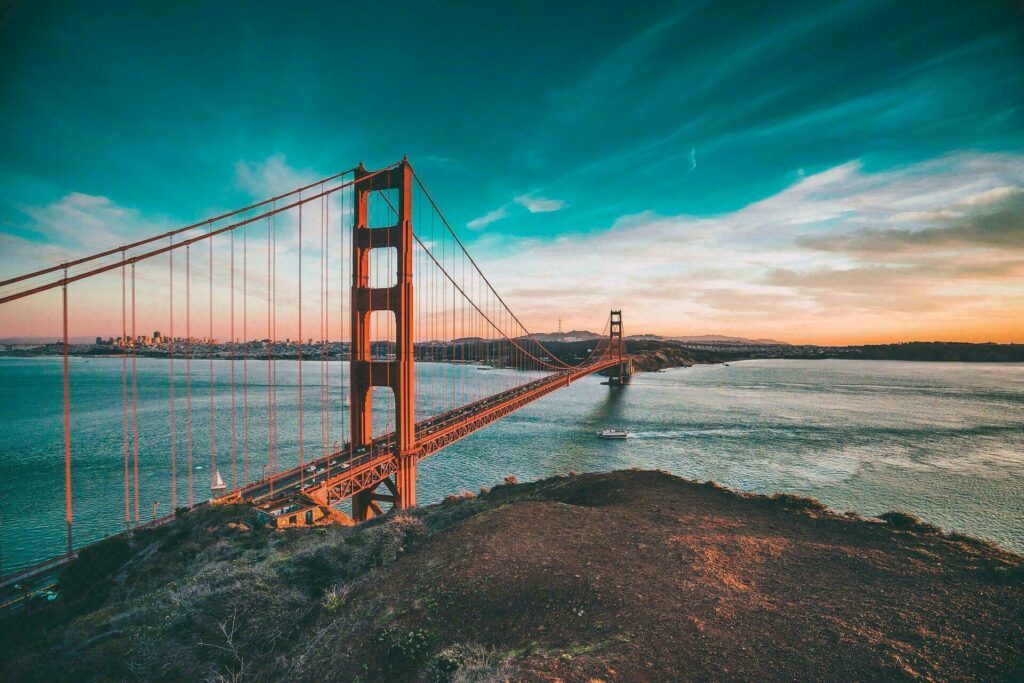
(170,358)
(67,420)
(273,334)
(234,416)
(301,440)
(188,372)
(209,345)
(387,321)
(245,354)
(342,286)
(270,353)
(135,405)
(325,332)
(124,394)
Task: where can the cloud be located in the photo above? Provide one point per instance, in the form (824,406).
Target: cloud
(487,218)
(933,250)
(997,223)
(71,226)
(271,177)
(989,196)
(539,204)
(78,224)
(822,260)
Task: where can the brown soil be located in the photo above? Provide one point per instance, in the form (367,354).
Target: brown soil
(639,576)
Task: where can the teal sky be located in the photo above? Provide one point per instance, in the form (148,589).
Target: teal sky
(535,123)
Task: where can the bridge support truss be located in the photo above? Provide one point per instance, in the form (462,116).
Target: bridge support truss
(398,374)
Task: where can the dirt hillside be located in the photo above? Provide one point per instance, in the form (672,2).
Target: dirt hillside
(623,576)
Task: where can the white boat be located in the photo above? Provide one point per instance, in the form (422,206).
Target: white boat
(217,484)
(613,434)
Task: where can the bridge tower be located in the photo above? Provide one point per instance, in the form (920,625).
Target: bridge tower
(617,346)
(397,374)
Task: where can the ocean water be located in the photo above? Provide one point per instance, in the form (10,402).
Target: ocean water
(944,441)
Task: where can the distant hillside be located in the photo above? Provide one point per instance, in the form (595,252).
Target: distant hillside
(930,351)
(585,335)
(711,339)
(46,340)
(622,576)
(573,336)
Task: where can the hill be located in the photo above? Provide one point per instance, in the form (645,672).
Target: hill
(632,576)
(715,339)
(572,336)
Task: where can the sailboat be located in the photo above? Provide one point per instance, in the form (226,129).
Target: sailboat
(217,484)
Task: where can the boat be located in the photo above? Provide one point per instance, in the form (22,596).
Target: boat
(613,434)
(218,483)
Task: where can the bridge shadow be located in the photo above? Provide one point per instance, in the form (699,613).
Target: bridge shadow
(581,449)
(608,411)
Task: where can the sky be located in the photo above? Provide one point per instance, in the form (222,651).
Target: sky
(843,172)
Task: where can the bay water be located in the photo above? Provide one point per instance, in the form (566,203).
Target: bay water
(944,441)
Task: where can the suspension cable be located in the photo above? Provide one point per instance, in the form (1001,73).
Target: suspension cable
(465,255)
(184,243)
(470,257)
(177,231)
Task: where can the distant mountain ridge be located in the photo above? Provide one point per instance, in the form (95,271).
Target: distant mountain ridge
(585,335)
(572,336)
(712,339)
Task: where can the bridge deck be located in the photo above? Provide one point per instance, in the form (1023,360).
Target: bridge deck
(335,477)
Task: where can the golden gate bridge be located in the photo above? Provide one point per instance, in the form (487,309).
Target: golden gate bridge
(391,276)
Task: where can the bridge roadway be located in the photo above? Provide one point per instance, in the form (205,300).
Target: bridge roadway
(335,477)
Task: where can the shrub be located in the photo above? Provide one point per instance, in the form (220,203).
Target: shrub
(336,596)
(794,502)
(388,541)
(467,663)
(411,646)
(461,495)
(90,573)
(902,520)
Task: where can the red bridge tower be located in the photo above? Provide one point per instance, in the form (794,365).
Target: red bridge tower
(617,346)
(397,374)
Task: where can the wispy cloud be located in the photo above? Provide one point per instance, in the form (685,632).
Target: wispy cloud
(822,260)
(998,224)
(539,204)
(271,176)
(933,250)
(487,218)
(79,223)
